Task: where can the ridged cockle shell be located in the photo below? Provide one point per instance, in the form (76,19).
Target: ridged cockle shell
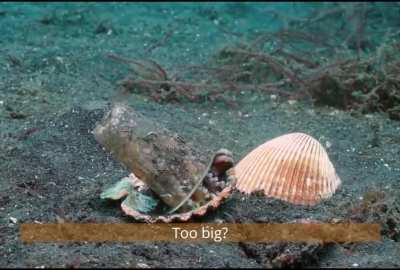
(294,167)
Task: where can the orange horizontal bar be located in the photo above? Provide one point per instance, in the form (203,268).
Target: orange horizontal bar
(200,232)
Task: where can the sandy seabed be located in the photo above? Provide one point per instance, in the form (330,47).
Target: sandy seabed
(55,74)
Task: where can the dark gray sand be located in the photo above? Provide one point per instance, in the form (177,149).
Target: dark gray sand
(51,166)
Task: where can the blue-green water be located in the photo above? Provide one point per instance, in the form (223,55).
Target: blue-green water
(251,71)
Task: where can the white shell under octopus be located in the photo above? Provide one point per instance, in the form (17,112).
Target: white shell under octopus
(294,167)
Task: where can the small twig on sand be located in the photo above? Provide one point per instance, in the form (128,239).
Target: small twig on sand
(161,42)
(145,68)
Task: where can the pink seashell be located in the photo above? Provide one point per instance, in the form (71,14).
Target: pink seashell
(213,204)
(180,217)
(294,167)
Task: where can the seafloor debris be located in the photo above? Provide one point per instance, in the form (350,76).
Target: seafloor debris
(285,254)
(294,167)
(151,79)
(381,207)
(168,174)
(17,115)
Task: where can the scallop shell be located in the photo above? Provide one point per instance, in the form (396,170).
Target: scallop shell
(180,217)
(294,167)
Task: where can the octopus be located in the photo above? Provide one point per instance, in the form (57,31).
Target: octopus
(170,180)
